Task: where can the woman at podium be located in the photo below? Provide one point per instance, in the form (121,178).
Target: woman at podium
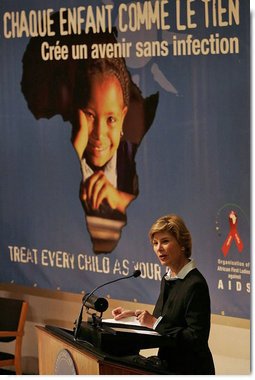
(182,312)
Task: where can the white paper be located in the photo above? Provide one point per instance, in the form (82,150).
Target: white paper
(147,332)
(124,321)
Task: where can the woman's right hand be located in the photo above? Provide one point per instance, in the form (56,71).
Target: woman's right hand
(120,313)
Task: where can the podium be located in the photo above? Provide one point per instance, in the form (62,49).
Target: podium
(61,354)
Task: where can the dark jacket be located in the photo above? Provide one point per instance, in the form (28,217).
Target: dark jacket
(184,305)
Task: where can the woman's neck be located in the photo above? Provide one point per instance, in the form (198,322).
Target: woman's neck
(175,269)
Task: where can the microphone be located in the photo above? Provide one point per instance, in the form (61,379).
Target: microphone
(87,303)
(93,302)
(135,274)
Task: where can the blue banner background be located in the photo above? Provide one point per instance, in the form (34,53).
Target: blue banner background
(194,161)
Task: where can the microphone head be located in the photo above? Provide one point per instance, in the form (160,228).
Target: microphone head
(101,304)
(137,273)
(96,303)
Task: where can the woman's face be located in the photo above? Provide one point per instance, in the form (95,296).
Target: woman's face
(167,249)
(100,121)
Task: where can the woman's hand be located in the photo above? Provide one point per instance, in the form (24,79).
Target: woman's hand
(145,318)
(120,313)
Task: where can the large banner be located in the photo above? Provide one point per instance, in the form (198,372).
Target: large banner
(112,114)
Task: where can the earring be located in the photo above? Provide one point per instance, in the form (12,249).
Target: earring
(121,134)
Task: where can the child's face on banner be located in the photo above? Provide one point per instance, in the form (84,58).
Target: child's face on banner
(100,121)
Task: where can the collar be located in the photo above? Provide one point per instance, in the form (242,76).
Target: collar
(109,170)
(182,273)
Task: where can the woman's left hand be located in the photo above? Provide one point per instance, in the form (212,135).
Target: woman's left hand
(145,318)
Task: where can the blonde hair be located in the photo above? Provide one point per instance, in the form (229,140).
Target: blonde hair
(174,225)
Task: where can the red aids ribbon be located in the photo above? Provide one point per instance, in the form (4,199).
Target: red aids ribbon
(233,234)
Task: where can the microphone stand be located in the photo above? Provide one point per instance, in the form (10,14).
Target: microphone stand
(78,321)
(135,274)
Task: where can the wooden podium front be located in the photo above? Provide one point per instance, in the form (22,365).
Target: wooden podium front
(60,355)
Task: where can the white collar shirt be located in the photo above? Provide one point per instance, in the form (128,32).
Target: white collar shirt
(182,273)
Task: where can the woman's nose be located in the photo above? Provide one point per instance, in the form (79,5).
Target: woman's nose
(157,248)
(160,247)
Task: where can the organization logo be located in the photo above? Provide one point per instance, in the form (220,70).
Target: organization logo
(233,264)
(231,233)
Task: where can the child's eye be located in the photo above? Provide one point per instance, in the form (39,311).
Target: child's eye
(89,115)
(111,120)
